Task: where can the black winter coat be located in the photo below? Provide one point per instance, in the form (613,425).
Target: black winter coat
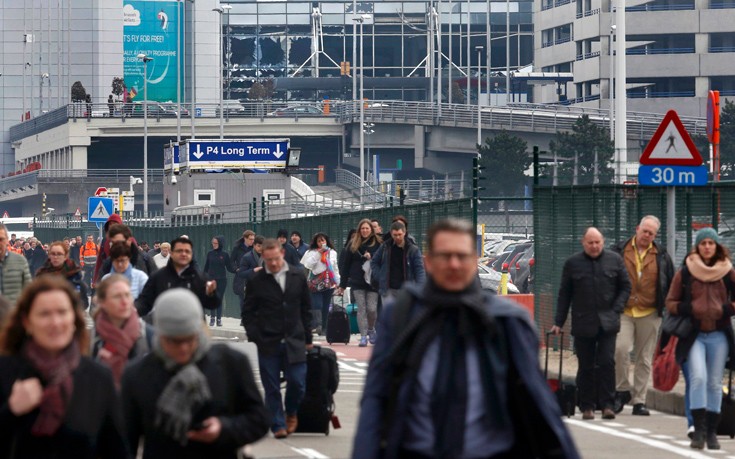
(665,272)
(165,279)
(245,272)
(350,267)
(238,252)
(218,262)
(271,315)
(596,289)
(92,427)
(235,401)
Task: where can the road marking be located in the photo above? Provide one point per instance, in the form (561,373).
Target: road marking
(310,453)
(351,368)
(646,441)
(614,424)
(348,360)
(342,383)
(663,437)
(639,431)
(362,364)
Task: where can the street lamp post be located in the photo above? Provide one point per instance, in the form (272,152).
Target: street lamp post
(479,107)
(134,181)
(368,128)
(145,60)
(361,20)
(45,76)
(224,7)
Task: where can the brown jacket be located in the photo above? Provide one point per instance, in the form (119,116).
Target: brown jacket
(643,291)
(708,299)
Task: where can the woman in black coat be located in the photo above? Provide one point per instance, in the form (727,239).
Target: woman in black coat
(216,267)
(56,403)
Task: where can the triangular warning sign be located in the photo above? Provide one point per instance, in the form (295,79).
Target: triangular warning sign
(6,215)
(100,211)
(78,213)
(671,145)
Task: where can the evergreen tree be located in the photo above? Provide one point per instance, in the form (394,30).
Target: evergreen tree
(505,160)
(585,139)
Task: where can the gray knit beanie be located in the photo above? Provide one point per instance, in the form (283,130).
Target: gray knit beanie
(706,233)
(177,312)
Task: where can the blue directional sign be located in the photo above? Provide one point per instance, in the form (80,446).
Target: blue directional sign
(672,175)
(234,154)
(99,209)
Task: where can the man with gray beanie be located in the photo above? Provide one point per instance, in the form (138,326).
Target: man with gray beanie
(189,398)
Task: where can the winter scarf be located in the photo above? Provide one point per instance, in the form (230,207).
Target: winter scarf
(330,270)
(706,273)
(118,341)
(185,394)
(68,269)
(56,373)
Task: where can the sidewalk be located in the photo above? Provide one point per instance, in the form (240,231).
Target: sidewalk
(671,402)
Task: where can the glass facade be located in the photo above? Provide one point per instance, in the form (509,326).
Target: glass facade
(266,39)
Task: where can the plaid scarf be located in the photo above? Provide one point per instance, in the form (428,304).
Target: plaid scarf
(118,341)
(56,373)
(68,269)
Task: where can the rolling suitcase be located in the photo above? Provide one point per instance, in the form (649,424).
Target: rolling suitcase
(352,313)
(338,325)
(727,412)
(566,394)
(322,378)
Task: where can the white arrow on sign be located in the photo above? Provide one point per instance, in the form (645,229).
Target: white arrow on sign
(198,154)
(278,152)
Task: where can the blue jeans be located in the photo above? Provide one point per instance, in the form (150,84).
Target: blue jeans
(320,301)
(687,411)
(270,376)
(706,366)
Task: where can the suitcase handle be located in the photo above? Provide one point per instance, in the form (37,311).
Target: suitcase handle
(561,355)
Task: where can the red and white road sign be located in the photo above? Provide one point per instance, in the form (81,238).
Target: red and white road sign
(671,145)
(100,190)
(78,213)
(6,215)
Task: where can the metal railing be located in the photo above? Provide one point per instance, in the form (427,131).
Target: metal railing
(452,186)
(652,51)
(660,94)
(111,174)
(581,57)
(721,5)
(721,49)
(689,6)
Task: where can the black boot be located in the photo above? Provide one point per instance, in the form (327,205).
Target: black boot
(713,420)
(700,428)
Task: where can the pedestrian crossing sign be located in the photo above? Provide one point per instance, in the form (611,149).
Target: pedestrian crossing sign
(100,209)
(671,145)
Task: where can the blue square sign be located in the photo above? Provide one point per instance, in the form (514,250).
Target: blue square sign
(99,209)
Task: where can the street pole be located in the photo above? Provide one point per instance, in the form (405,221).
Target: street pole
(354,47)
(507,52)
(621,111)
(611,84)
(145,60)
(178,73)
(479,107)
(469,58)
(362,112)
(221,11)
(192,40)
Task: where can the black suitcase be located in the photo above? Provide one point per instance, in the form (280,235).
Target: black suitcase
(566,394)
(338,325)
(322,378)
(727,412)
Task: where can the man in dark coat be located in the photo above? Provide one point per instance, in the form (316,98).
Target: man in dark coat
(216,267)
(249,264)
(242,246)
(595,284)
(138,259)
(189,398)
(277,315)
(291,255)
(179,272)
(451,375)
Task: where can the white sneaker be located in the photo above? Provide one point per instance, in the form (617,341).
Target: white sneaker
(690,432)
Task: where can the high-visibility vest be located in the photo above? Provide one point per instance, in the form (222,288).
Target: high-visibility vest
(88,254)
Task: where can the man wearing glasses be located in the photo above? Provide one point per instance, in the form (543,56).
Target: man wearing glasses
(179,272)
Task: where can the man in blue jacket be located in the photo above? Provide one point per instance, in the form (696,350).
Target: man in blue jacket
(397,260)
(451,374)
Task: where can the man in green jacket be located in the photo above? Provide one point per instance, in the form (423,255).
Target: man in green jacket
(14,272)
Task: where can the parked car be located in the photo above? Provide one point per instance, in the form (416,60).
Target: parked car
(155,110)
(490,280)
(231,107)
(297,111)
(521,271)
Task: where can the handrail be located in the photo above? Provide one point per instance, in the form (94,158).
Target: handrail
(652,51)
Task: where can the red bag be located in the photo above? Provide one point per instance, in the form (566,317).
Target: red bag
(665,369)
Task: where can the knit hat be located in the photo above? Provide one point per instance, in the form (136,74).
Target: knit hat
(177,312)
(282,233)
(706,233)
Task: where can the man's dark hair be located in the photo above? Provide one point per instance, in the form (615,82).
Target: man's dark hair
(120,249)
(270,244)
(118,228)
(258,240)
(449,225)
(398,226)
(181,240)
(374,220)
(402,219)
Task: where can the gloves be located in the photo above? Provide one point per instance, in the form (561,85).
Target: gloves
(684,309)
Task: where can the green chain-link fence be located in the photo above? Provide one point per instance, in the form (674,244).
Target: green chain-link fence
(561,214)
(419,216)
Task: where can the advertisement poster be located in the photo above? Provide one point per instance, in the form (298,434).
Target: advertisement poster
(151,28)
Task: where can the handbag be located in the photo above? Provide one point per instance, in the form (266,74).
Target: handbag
(676,325)
(366,270)
(665,368)
(319,282)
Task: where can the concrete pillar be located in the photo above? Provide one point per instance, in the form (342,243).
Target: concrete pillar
(79,157)
(701,86)
(419,146)
(701,43)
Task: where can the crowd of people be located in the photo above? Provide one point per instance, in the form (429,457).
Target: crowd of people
(618,298)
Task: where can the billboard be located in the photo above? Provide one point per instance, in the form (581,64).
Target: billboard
(234,154)
(150,27)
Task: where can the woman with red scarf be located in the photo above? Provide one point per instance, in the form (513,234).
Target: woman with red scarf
(321,262)
(59,263)
(55,402)
(119,335)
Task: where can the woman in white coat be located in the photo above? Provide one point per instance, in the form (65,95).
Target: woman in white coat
(321,262)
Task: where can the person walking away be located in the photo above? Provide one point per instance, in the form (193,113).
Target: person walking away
(120,255)
(595,285)
(396,261)
(358,253)
(650,271)
(59,263)
(160,260)
(216,267)
(15,271)
(58,403)
(321,262)
(190,398)
(277,317)
(702,291)
(119,336)
(452,375)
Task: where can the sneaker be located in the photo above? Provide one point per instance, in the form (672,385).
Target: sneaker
(690,432)
(363,341)
(211,322)
(372,336)
(219,323)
